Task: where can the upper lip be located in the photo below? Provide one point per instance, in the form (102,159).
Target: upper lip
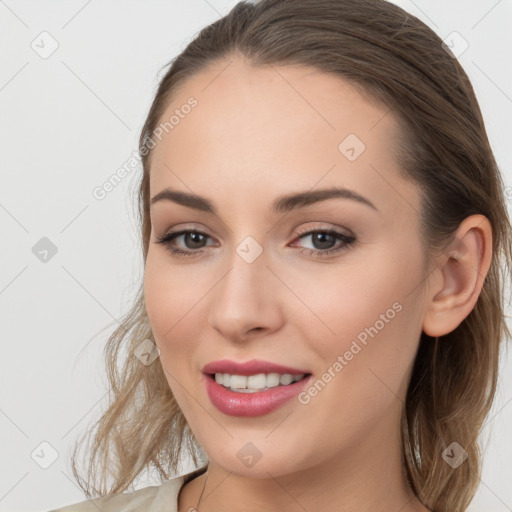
(252,367)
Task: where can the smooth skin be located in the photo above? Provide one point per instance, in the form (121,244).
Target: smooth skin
(258,133)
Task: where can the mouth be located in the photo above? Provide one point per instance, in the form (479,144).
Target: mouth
(256,383)
(252,388)
(253,395)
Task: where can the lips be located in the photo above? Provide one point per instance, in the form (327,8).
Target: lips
(252,367)
(253,404)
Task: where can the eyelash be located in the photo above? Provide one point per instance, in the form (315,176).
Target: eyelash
(167,239)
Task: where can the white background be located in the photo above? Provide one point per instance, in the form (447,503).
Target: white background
(68,123)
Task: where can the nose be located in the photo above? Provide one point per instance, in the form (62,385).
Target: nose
(245,302)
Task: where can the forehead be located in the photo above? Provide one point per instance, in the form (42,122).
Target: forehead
(262,131)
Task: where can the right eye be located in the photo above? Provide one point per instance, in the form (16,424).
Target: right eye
(192,238)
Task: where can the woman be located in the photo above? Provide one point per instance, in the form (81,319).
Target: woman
(326,243)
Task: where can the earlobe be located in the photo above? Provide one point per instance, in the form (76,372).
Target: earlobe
(461,271)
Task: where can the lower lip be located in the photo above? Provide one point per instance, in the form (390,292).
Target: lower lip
(252,404)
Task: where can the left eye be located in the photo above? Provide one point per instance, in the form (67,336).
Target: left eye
(323,239)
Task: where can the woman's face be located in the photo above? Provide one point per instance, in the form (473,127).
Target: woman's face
(275,284)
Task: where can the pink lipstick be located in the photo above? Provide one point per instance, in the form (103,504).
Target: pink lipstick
(253,403)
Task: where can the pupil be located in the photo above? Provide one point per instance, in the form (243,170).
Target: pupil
(320,237)
(196,237)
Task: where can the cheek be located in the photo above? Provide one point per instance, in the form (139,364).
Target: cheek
(172,300)
(172,305)
(366,363)
(340,304)
(366,314)
(170,293)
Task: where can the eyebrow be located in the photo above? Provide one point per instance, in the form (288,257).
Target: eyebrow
(282,204)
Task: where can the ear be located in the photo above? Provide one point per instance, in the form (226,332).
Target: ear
(455,283)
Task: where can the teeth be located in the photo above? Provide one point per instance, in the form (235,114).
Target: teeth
(254,383)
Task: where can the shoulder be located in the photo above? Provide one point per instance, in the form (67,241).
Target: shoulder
(155,498)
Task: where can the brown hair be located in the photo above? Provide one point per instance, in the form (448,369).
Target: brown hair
(398,61)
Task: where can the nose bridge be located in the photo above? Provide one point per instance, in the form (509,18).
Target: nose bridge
(246,275)
(243,299)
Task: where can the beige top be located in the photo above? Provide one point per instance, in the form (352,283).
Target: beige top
(155,498)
